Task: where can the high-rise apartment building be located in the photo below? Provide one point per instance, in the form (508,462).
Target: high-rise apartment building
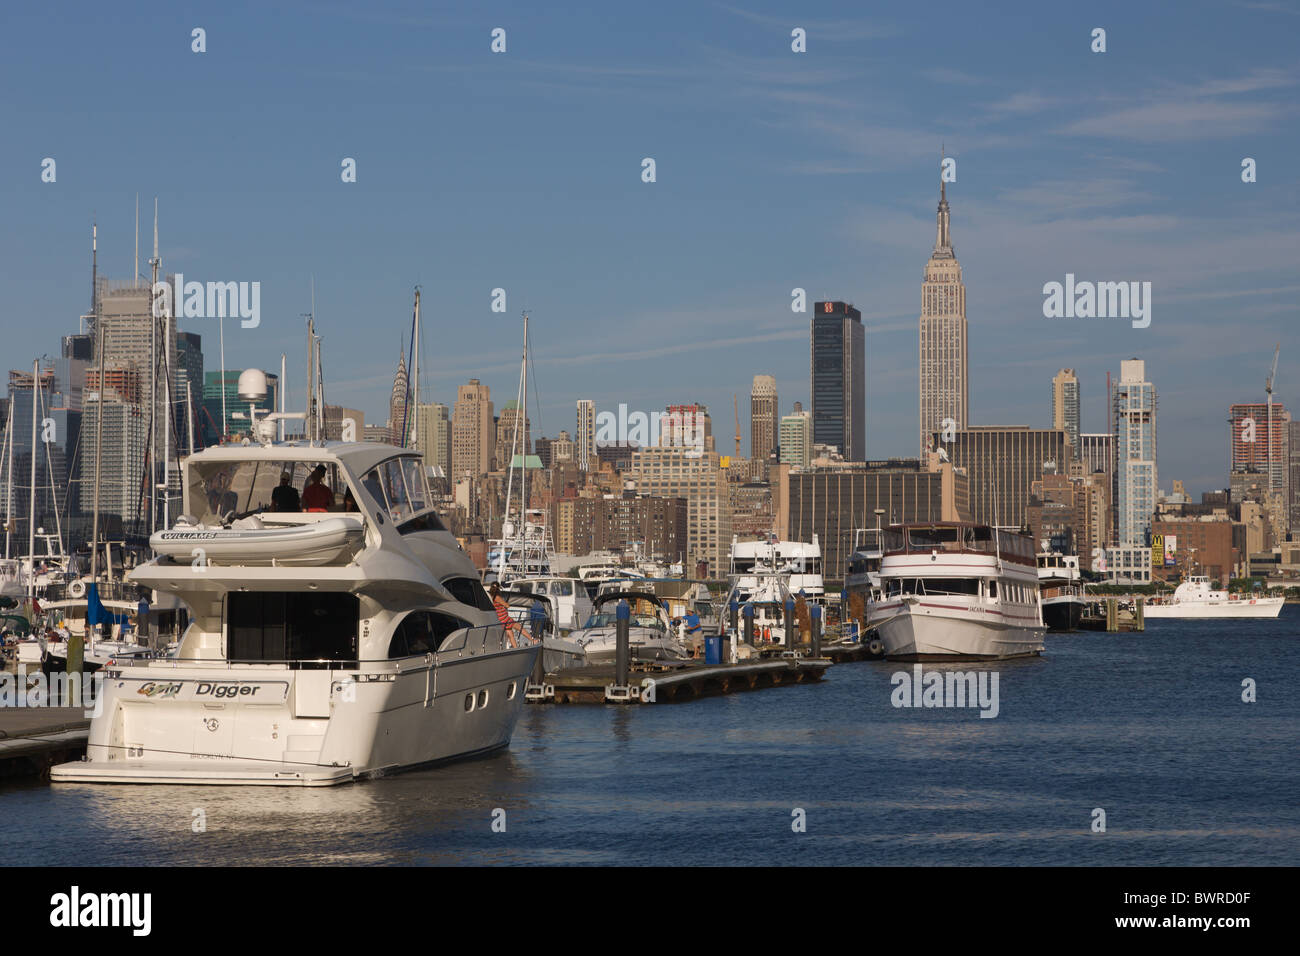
(435,436)
(1134,403)
(513,435)
(838,378)
(1065,404)
(763,417)
(1259,445)
(585,436)
(944,370)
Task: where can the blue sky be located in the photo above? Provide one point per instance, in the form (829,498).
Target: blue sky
(775,170)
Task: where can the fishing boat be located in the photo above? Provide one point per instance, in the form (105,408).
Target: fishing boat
(1195,598)
(957,591)
(385,657)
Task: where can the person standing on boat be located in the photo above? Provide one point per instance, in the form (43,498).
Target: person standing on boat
(537,618)
(285,496)
(317,496)
(503,614)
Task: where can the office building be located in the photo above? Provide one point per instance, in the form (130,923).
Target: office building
(838,378)
(763,417)
(944,370)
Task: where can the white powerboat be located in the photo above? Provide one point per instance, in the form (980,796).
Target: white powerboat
(570,606)
(651,636)
(378,654)
(1194,598)
(957,591)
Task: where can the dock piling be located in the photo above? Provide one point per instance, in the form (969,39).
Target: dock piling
(816,612)
(789,625)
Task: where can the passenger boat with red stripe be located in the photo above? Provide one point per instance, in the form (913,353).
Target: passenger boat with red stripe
(956,591)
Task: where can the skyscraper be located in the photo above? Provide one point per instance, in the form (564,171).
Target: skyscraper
(838,379)
(945,384)
(763,418)
(796,437)
(399,423)
(1134,403)
(585,440)
(1258,445)
(435,436)
(472,435)
(1065,405)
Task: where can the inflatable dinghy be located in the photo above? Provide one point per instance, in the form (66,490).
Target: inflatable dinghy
(319,542)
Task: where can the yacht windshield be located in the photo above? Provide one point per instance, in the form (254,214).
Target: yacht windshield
(218,488)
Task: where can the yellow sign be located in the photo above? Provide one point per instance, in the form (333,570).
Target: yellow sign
(1157,551)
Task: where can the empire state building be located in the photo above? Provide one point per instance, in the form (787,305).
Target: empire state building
(945,384)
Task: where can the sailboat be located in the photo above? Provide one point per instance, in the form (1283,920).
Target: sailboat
(524,548)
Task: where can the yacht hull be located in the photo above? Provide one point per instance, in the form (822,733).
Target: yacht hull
(919,632)
(189,723)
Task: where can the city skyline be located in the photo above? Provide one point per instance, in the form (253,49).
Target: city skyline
(857,183)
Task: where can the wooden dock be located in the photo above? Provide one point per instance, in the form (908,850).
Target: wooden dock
(1107,614)
(33,739)
(851,651)
(674,681)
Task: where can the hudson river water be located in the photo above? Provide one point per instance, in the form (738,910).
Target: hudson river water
(1150,727)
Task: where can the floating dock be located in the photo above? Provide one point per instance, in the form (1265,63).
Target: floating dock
(669,681)
(1109,614)
(33,739)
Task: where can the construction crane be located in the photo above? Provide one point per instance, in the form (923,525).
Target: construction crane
(735,403)
(1273,480)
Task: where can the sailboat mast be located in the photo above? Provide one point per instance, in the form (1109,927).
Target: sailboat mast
(521,426)
(99,438)
(415,379)
(31,514)
(9,481)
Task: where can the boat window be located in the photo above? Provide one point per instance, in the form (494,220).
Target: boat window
(562,588)
(427,521)
(993,589)
(950,585)
(291,626)
(413,469)
(374,487)
(219,487)
(423,632)
(399,502)
(469,591)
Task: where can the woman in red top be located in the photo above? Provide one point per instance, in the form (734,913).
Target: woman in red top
(503,615)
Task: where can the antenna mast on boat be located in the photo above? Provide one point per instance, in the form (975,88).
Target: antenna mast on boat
(9,482)
(521,408)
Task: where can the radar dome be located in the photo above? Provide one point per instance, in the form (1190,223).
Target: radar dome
(252,385)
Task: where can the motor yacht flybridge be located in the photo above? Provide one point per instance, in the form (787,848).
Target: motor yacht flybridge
(325,644)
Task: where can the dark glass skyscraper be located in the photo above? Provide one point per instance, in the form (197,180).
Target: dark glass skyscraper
(838,379)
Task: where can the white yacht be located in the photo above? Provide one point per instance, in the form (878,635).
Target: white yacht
(651,636)
(957,591)
(323,645)
(800,560)
(1194,598)
(863,573)
(1060,589)
(594,577)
